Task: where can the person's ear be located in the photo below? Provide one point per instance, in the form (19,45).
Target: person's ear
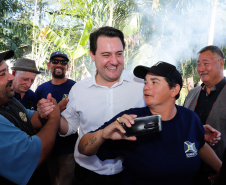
(92,56)
(175,90)
(14,72)
(222,63)
(48,65)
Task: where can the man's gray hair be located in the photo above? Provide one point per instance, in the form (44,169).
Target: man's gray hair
(213,49)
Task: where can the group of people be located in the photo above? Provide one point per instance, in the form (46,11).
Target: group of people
(43,132)
(59,167)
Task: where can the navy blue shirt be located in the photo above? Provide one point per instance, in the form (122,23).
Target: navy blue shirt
(167,157)
(29,100)
(63,145)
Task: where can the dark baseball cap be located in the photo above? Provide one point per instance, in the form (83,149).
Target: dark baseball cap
(59,54)
(6,55)
(162,69)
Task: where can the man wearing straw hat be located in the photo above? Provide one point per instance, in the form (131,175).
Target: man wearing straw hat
(24,73)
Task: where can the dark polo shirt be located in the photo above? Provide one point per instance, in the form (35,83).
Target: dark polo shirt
(29,100)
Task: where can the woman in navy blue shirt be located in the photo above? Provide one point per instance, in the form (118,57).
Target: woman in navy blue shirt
(171,156)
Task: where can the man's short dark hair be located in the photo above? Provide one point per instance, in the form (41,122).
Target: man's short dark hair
(213,49)
(104,31)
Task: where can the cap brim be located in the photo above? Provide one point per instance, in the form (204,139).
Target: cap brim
(6,55)
(141,71)
(59,56)
(9,54)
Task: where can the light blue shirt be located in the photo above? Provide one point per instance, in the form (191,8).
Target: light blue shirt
(19,152)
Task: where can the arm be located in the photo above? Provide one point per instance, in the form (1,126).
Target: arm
(45,107)
(63,103)
(91,142)
(36,121)
(48,133)
(212,136)
(209,157)
(63,129)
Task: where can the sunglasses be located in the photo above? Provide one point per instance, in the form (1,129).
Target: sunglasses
(62,62)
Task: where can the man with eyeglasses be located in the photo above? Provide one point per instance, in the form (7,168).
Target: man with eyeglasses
(61,162)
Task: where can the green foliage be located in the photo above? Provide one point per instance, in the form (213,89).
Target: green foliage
(183,94)
(66,24)
(14,28)
(223,48)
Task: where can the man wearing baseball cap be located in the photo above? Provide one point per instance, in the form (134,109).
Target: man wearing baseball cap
(22,149)
(59,54)
(171,156)
(24,72)
(61,162)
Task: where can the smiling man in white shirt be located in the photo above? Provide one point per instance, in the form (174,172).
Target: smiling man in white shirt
(97,99)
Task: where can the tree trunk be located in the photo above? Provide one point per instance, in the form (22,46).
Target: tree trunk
(212,24)
(33,40)
(111,12)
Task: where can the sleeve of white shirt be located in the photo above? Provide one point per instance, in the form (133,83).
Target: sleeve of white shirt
(70,114)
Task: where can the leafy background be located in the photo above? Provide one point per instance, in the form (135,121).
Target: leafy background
(155,30)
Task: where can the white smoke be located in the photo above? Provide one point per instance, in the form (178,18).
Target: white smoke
(180,30)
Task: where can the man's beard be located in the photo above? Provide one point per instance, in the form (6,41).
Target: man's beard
(10,94)
(61,76)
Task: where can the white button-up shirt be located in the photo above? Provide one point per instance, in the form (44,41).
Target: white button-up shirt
(91,105)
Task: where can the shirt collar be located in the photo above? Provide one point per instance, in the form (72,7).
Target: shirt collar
(218,86)
(124,77)
(17,95)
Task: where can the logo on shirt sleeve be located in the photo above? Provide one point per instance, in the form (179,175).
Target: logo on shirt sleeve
(65,96)
(190,149)
(23,116)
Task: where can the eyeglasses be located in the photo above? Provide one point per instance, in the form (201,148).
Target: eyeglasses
(62,62)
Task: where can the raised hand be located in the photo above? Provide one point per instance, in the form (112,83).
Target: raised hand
(212,136)
(115,131)
(45,106)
